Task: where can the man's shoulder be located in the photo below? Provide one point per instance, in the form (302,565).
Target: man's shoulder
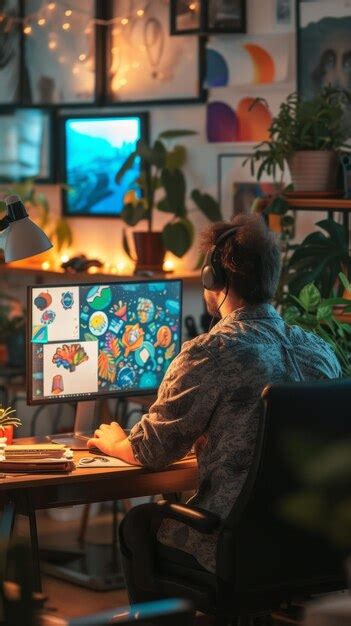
(209,343)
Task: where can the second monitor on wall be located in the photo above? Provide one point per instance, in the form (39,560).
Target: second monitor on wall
(94,146)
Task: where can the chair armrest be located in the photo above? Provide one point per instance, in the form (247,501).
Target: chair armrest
(199,519)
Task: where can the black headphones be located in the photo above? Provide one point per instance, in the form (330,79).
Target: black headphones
(213,275)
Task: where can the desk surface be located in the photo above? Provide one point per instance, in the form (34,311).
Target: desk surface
(97,484)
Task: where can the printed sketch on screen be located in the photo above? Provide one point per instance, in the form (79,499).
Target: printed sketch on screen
(96,339)
(147,64)
(247,60)
(60,61)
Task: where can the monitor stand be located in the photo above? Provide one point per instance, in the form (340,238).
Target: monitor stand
(83,427)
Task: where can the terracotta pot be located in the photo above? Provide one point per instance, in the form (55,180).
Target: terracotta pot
(314,170)
(7,432)
(149,250)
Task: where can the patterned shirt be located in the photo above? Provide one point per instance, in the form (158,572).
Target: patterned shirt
(211,397)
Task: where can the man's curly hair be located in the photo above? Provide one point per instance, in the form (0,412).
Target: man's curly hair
(250,257)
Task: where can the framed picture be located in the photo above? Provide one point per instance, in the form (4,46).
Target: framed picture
(204,17)
(237,188)
(26,140)
(145,64)
(324,50)
(94,148)
(59,56)
(10,53)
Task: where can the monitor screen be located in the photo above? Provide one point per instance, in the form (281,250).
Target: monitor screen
(94,340)
(95,147)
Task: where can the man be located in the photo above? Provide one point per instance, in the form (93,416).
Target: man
(211,394)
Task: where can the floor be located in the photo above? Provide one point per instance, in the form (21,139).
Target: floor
(66,599)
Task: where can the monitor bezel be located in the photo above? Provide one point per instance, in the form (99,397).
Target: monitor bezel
(62,119)
(93,396)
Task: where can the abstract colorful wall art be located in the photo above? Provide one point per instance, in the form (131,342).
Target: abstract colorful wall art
(246,60)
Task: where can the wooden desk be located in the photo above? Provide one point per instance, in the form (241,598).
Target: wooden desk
(27,493)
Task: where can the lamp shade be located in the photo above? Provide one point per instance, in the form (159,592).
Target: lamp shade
(23,239)
(20,237)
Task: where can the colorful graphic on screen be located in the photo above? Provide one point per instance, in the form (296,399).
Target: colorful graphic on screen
(95,150)
(103,338)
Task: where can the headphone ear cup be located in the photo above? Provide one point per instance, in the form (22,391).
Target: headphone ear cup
(212,275)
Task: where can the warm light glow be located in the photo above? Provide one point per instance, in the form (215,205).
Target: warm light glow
(68,12)
(27,30)
(42,21)
(88,30)
(82,57)
(140,12)
(114,50)
(2,17)
(135,64)
(124,21)
(168,265)
(93,270)
(123,81)
(51,6)
(192,6)
(66,26)
(45,265)
(64,258)
(121,267)
(75,70)
(52,45)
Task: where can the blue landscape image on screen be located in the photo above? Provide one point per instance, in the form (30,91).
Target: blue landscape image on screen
(95,150)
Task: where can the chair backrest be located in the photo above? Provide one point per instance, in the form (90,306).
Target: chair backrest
(262,544)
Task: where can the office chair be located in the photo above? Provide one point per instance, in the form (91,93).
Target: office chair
(263,557)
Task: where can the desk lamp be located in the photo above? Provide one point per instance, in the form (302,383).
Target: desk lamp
(19,236)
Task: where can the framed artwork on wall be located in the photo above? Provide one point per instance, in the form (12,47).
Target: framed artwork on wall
(94,148)
(237,188)
(203,17)
(26,140)
(324,50)
(10,53)
(145,64)
(59,56)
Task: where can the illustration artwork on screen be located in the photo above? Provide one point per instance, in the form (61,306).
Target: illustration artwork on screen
(125,336)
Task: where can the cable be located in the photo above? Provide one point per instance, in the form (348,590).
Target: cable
(218,310)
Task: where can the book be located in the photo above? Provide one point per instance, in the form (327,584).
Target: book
(45,466)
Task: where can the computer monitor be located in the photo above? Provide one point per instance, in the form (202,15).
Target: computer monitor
(100,340)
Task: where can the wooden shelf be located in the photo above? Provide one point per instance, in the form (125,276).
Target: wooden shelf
(46,276)
(315,204)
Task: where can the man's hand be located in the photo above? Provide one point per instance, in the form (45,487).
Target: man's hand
(106,438)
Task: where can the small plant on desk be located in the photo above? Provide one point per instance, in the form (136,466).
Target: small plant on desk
(8,420)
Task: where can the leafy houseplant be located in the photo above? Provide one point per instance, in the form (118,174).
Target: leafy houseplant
(307,134)
(317,314)
(8,421)
(12,330)
(161,187)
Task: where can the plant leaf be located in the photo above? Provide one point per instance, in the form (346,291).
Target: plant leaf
(128,163)
(175,134)
(207,205)
(178,236)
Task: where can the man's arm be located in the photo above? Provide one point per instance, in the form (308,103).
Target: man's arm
(180,415)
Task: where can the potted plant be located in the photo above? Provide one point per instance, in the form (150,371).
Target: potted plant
(8,421)
(319,315)
(308,135)
(161,187)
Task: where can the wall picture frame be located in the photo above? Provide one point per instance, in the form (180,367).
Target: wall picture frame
(26,136)
(10,53)
(323,45)
(59,64)
(237,188)
(145,65)
(206,17)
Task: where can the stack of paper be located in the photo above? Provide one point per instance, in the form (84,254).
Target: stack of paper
(36,458)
